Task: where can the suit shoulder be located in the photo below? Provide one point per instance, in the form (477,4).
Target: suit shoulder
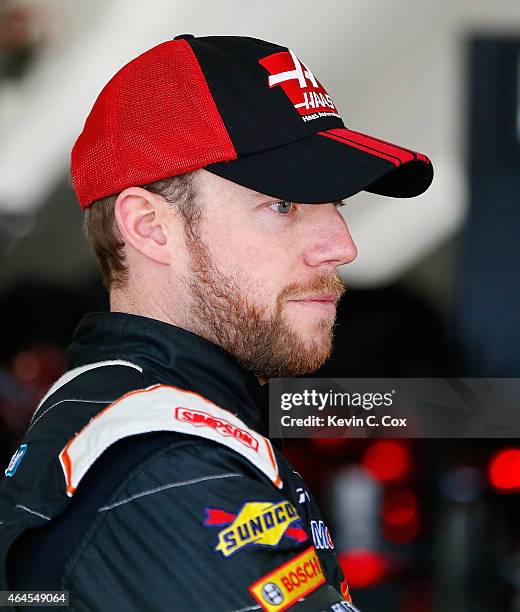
(169,409)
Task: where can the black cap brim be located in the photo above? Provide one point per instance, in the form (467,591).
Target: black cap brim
(330,166)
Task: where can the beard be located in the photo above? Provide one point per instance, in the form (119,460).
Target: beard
(263,342)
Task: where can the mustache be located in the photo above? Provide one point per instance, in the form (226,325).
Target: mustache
(323,284)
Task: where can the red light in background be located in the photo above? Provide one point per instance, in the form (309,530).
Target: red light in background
(363,568)
(38,366)
(504,470)
(399,516)
(26,366)
(399,508)
(329,445)
(387,460)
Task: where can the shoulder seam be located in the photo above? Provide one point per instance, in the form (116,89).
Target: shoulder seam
(72,399)
(74,373)
(165,487)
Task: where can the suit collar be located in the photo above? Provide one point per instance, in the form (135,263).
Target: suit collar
(171,355)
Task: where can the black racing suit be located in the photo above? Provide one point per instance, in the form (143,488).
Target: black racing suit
(145,482)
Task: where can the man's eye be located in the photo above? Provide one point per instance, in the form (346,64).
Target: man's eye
(282,206)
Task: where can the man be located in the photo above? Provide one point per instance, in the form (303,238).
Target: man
(146,480)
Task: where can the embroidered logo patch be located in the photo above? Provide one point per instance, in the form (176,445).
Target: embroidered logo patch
(321,536)
(16,459)
(257,523)
(288,583)
(197,418)
(307,94)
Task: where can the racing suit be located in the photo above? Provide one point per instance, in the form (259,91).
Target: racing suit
(146,481)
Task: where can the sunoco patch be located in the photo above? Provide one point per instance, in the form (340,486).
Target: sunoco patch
(257,523)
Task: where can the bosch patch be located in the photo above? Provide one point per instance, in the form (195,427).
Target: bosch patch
(289,582)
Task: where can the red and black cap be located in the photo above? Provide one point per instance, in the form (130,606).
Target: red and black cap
(242,108)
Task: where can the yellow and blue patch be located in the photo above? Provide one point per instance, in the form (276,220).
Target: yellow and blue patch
(256,524)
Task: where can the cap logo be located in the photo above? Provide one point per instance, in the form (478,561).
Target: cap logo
(306,93)
(300,73)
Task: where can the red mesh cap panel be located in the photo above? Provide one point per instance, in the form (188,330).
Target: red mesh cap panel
(155,118)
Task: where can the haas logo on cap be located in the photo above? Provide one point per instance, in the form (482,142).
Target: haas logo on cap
(307,94)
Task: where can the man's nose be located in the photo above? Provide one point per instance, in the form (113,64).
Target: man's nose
(332,243)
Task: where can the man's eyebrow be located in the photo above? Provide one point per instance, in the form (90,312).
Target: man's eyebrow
(259,196)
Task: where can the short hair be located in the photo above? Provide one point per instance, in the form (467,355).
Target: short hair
(107,243)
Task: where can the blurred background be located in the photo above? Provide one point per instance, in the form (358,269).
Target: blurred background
(419,525)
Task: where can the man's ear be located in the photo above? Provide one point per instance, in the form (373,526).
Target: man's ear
(141,217)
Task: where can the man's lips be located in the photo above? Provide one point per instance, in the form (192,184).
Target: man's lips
(327,298)
(323,302)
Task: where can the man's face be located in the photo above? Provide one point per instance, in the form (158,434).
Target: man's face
(262,280)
